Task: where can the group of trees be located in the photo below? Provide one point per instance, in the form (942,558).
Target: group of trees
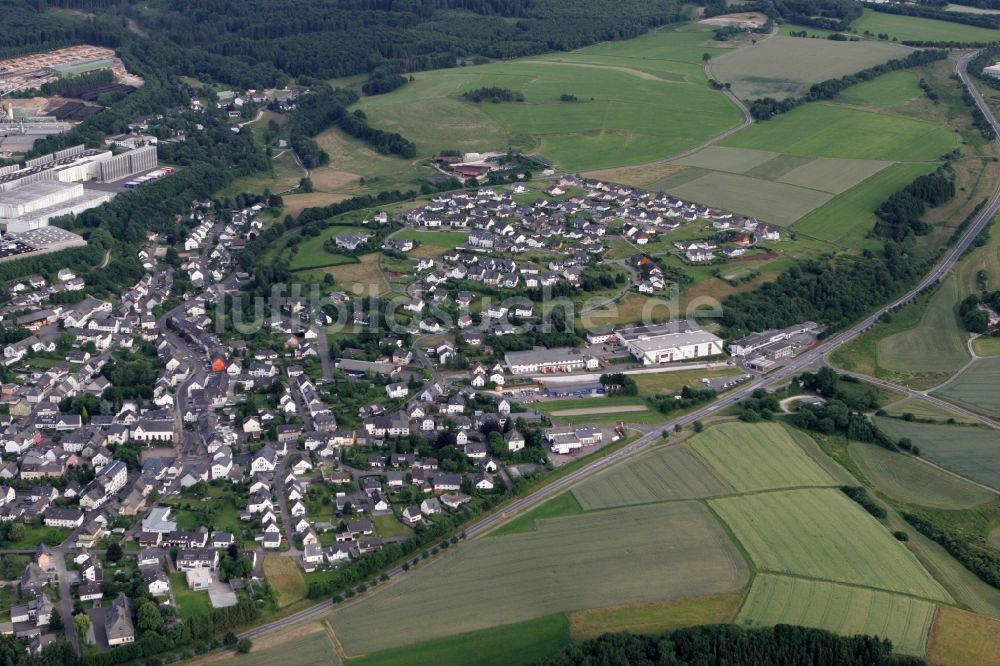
(900,217)
(825,14)
(734,646)
(493,94)
(827,290)
(686,399)
(383,79)
(617,383)
(766,107)
(980,559)
(974,317)
(924,10)
(860,495)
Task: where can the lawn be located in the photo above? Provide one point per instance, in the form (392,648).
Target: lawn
(820,533)
(655,618)
(557,507)
(311,253)
(960,638)
(625,89)
(907,479)
(972,452)
(848,218)
(550,406)
(936,345)
(841,609)
(786,66)
(521,643)
(670,383)
(828,130)
(490,582)
(760,456)
(389,526)
(920,29)
(50,536)
(190,603)
(662,474)
(285,576)
(362,277)
(442,239)
(923,409)
(986,346)
(976,387)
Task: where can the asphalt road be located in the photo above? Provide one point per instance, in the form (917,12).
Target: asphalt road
(795,367)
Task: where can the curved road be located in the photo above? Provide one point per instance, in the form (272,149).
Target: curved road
(796,366)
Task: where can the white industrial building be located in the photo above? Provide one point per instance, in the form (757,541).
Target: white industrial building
(992,70)
(763,339)
(652,346)
(51,185)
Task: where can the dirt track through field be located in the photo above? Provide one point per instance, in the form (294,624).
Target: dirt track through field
(585,411)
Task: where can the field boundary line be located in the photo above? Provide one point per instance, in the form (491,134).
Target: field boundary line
(332,635)
(859,586)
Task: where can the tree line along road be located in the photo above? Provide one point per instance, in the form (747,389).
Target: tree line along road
(797,365)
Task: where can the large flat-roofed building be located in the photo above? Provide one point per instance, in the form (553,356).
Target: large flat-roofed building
(32,206)
(992,70)
(665,343)
(543,361)
(759,340)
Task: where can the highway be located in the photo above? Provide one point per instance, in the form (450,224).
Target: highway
(795,367)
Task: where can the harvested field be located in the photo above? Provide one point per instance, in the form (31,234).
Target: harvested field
(820,533)
(307,645)
(832,175)
(662,474)
(972,452)
(618,552)
(781,66)
(731,160)
(960,638)
(841,609)
(976,387)
(655,618)
(760,456)
(907,479)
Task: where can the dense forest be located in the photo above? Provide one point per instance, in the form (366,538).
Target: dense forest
(833,291)
(901,215)
(330,38)
(732,646)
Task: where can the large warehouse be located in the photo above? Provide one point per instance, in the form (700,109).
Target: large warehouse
(544,361)
(653,345)
(33,206)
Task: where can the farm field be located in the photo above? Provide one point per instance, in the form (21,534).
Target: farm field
(557,507)
(521,643)
(760,456)
(655,618)
(829,130)
(847,218)
(907,479)
(362,277)
(975,387)
(285,576)
(920,29)
(922,409)
(884,91)
(783,66)
(960,638)
(624,89)
(842,609)
(972,452)
(617,551)
(820,533)
(311,646)
(936,345)
(662,474)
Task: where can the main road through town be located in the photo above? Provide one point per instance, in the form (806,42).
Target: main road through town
(796,366)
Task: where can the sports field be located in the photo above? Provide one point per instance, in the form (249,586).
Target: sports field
(935,345)
(849,217)
(820,533)
(828,130)
(515,578)
(920,29)
(972,452)
(760,456)
(661,474)
(960,638)
(625,90)
(782,66)
(976,387)
(904,478)
(842,609)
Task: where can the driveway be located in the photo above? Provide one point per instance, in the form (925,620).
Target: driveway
(220,594)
